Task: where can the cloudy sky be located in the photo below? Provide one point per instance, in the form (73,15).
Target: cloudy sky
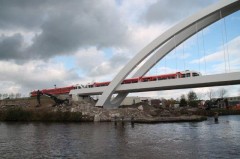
(48,42)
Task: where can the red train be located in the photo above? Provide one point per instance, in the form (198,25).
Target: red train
(66,90)
(54,91)
(183,74)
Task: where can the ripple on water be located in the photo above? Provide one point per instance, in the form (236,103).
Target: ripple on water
(103,140)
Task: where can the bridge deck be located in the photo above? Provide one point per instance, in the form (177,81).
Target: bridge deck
(193,82)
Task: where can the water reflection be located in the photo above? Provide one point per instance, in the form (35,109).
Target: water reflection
(122,140)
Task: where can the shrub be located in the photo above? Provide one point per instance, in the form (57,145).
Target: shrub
(17,114)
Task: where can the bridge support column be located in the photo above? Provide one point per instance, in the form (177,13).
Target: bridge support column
(116,102)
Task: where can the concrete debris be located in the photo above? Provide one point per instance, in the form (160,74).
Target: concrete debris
(140,108)
(140,112)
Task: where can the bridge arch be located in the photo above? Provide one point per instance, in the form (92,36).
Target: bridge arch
(165,43)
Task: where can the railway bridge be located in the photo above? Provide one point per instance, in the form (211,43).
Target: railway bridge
(159,48)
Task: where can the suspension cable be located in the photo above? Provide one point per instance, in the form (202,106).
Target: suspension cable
(198,47)
(226,38)
(204,51)
(175,52)
(165,67)
(156,70)
(223,44)
(183,56)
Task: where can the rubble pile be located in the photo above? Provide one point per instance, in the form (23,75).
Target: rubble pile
(140,112)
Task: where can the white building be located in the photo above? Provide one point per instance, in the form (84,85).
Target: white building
(135,100)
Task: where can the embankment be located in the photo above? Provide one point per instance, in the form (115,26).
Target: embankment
(20,114)
(26,110)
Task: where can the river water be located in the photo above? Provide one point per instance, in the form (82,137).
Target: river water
(106,140)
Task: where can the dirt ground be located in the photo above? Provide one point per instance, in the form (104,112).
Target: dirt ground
(27,103)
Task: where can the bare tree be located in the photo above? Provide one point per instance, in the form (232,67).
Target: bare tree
(164,102)
(0,96)
(192,99)
(18,95)
(210,94)
(183,101)
(222,92)
(200,95)
(5,95)
(172,102)
(11,95)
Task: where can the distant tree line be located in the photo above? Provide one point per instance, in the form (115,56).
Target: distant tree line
(193,99)
(10,95)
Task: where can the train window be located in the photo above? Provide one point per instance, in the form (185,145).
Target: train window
(188,74)
(145,80)
(195,74)
(183,75)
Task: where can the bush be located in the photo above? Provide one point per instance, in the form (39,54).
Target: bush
(58,116)
(17,114)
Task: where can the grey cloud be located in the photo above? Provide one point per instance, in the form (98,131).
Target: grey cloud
(65,34)
(25,14)
(11,47)
(160,12)
(64,26)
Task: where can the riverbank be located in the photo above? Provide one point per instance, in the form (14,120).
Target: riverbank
(19,114)
(27,109)
(99,115)
(220,111)
(192,118)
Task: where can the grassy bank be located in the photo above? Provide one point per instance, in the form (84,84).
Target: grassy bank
(19,114)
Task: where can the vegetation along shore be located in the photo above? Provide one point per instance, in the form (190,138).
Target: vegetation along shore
(27,109)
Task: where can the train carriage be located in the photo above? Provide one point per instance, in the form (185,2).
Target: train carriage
(66,90)
(54,91)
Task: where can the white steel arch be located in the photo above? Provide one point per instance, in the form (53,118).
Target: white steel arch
(180,33)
